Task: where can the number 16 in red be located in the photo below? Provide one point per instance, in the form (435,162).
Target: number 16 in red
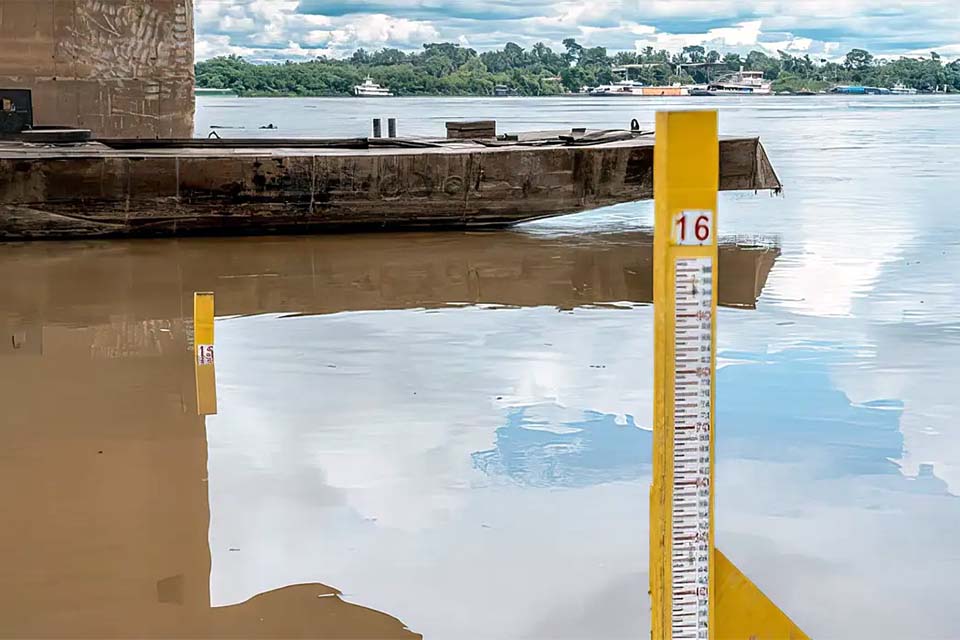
(692,227)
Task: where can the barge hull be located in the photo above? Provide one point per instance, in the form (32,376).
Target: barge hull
(93,190)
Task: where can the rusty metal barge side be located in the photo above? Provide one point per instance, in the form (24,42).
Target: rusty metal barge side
(94,190)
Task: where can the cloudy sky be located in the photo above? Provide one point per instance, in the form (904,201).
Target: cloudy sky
(297,29)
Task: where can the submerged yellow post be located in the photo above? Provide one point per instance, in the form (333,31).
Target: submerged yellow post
(203,362)
(695,592)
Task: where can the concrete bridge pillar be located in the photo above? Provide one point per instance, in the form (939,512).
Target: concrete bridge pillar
(122,68)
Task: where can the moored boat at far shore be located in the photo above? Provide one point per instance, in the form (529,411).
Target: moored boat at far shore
(370,89)
(631,88)
(740,83)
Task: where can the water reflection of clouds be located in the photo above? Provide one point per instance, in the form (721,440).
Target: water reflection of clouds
(377,399)
(812,505)
(539,448)
(365,448)
(778,406)
(343,449)
(901,322)
(784,406)
(870,253)
(916,336)
(827,272)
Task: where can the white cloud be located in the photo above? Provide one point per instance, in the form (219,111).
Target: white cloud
(947,50)
(379,30)
(745,34)
(216,45)
(277,29)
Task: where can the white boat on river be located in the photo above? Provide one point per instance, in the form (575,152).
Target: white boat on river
(740,83)
(370,89)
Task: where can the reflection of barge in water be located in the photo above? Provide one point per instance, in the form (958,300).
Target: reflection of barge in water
(336,273)
(116,188)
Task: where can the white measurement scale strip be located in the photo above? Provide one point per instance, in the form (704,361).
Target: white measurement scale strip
(690,507)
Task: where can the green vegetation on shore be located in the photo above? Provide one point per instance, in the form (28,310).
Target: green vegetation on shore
(449,69)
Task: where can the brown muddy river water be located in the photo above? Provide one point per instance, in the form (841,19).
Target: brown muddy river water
(449,434)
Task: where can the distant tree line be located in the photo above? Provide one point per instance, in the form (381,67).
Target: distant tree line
(449,69)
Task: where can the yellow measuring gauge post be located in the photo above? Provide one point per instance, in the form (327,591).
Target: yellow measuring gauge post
(686,175)
(203,362)
(685,573)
